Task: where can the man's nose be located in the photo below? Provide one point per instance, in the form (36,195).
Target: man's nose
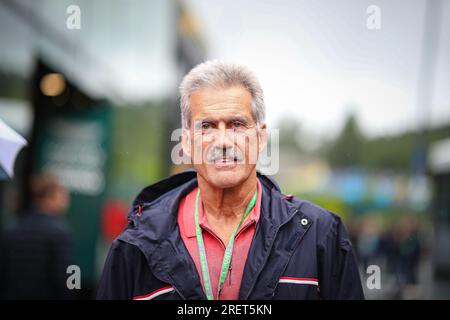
(224,136)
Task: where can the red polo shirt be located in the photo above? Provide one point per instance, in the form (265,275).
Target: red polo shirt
(214,247)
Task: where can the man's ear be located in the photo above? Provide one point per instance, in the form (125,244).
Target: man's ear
(186,142)
(262,137)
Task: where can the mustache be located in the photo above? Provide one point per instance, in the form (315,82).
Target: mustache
(230,154)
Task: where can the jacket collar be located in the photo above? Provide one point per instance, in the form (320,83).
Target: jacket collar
(155,231)
(188,213)
(158,205)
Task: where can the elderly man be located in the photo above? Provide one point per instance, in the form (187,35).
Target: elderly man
(224,231)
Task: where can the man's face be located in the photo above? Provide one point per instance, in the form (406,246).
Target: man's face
(223,140)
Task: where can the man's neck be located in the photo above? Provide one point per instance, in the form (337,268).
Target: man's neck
(227,204)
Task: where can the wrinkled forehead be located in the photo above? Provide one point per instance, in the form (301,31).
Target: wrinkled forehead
(221,103)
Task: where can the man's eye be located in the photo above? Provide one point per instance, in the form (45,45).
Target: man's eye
(238,124)
(206,125)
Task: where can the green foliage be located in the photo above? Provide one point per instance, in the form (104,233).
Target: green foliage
(13,86)
(289,129)
(394,152)
(348,148)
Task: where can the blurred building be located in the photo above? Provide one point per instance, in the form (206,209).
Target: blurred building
(439,165)
(86,98)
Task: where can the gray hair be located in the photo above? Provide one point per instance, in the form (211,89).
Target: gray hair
(218,74)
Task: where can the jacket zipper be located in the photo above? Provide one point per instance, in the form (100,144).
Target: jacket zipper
(179,293)
(270,249)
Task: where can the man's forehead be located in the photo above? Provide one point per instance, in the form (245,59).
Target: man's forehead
(215,101)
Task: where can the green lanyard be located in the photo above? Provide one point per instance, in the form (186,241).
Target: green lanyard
(228,251)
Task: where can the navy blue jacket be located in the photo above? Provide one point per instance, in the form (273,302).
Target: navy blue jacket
(299,250)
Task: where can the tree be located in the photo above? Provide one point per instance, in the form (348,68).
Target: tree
(347,149)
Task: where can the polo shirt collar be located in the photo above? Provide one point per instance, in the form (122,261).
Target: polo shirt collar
(189,212)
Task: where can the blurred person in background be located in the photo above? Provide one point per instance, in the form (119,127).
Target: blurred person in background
(36,252)
(408,249)
(396,250)
(369,242)
(225,231)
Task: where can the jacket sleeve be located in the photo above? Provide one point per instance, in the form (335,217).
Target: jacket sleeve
(116,281)
(338,271)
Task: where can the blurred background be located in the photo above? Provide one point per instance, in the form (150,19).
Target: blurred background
(359,91)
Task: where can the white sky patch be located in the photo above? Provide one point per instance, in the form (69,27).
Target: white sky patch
(317,61)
